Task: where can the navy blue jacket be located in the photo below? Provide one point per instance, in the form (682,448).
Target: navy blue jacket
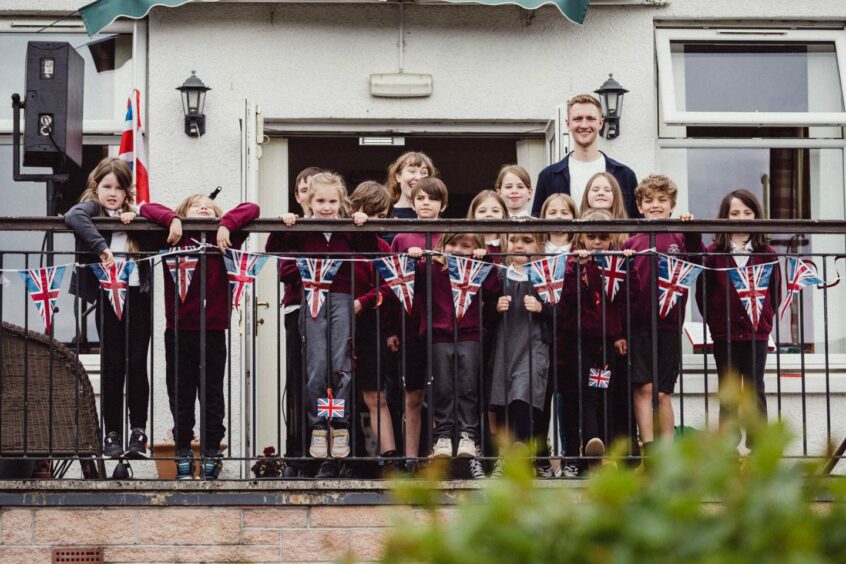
(556,178)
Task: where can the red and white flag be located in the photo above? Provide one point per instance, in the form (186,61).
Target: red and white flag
(133,150)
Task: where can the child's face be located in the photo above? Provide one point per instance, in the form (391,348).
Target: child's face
(656,205)
(597,241)
(739,210)
(201,207)
(515,192)
(462,246)
(325,202)
(109,192)
(489,208)
(522,243)
(302,190)
(600,194)
(558,209)
(409,176)
(425,206)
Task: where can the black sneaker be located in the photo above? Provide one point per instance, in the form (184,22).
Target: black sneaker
(185,466)
(328,469)
(212,466)
(112,445)
(137,444)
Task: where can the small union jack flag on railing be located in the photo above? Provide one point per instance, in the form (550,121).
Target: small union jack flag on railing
(317,275)
(115,281)
(42,285)
(329,407)
(242,268)
(675,277)
(599,378)
(547,277)
(397,271)
(751,284)
(181,267)
(801,273)
(613,269)
(465,276)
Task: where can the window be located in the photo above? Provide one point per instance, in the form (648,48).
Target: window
(766,77)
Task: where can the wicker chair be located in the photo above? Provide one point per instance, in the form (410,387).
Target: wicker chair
(32,364)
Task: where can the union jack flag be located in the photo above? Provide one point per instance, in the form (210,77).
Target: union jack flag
(42,285)
(181,267)
(242,268)
(547,276)
(800,274)
(398,273)
(613,269)
(465,276)
(599,378)
(317,275)
(329,407)
(751,283)
(675,277)
(114,282)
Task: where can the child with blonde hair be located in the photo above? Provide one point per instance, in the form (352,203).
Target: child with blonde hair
(515,186)
(558,206)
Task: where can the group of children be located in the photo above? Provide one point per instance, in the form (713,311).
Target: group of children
(494,371)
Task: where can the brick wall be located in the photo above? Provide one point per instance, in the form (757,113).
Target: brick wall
(196,534)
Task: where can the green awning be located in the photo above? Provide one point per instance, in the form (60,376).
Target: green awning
(101,13)
(573,10)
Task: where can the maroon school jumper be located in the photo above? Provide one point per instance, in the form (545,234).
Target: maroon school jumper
(719,289)
(217,309)
(641,294)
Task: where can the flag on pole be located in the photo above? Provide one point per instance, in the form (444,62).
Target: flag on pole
(397,271)
(547,277)
(465,276)
(599,378)
(242,268)
(613,269)
(751,284)
(114,281)
(42,285)
(800,274)
(132,148)
(317,275)
(181,267)
(675,277)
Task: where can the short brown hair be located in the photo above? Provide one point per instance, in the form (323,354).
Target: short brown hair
(656,183)
(432,186)
(597,215)
(583,99)
(411,158)
(371,198)
(517,171)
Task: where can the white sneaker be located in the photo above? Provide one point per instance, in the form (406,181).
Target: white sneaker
(443,448)
(319,443)
(570,471)
(466,447)
(340,443)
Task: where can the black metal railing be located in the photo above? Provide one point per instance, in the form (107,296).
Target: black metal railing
(48,412)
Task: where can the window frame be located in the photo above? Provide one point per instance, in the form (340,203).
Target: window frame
(672,116)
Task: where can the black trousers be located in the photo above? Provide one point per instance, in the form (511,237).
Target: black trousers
(295,420)
(745,360)
(183,386)
(594,413)
(124,344)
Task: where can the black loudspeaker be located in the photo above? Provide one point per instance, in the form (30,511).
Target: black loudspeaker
(54,91)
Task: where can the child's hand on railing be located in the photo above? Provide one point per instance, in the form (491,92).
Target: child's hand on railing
(479,254)
(223,241)
(175,234)
(584,255)
(357,307)
(107,258)
(503,303)
(622,347)
(127,217)
(393,343)
(628,252)
(289,219)
(359,218)
(686,217)
(415,252)
(532,304)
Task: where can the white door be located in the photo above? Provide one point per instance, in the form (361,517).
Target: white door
(557,136)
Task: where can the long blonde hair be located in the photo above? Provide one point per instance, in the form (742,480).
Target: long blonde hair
(327,178)
(618,207)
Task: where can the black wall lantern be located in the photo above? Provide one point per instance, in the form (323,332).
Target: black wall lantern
(193,99)
(611,95)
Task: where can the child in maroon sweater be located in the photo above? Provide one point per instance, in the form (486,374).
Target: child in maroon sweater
(740,347)
(183,329)
(326,355)
(590,314)
(456,345)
